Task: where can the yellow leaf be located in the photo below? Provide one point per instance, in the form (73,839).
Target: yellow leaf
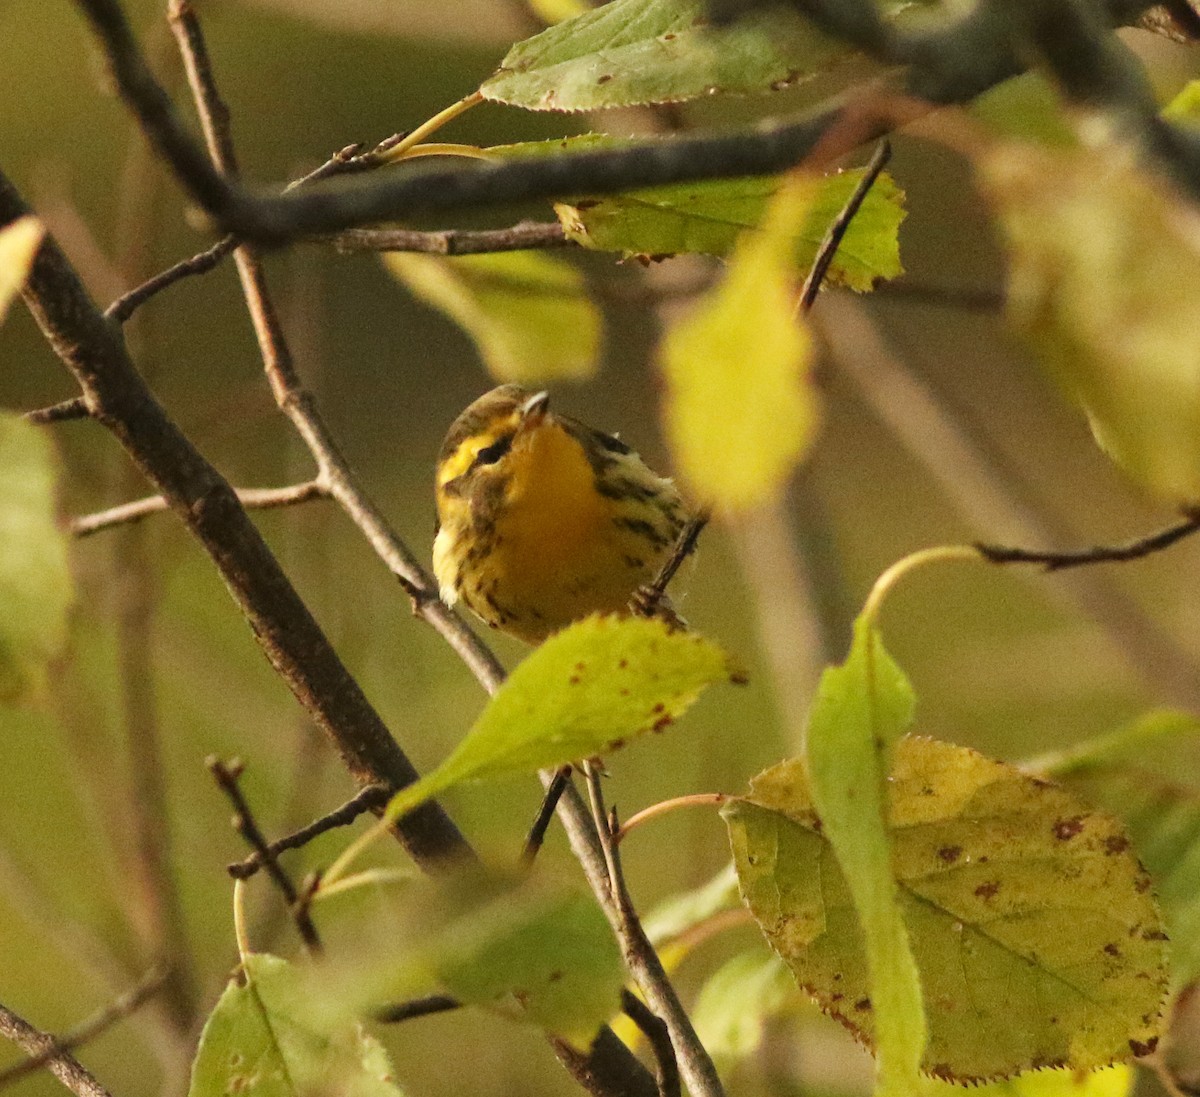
(741,412)
(18,245)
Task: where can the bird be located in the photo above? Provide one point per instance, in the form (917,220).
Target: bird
(543,520)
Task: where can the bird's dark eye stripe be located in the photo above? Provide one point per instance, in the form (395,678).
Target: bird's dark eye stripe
(489,455)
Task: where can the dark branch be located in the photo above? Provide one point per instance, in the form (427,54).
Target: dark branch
(145,989)
(837,230)
(226,776)
(372,798)
(92,348)
(1097,554)
(648,599)
(201,263)
(541,823)
(417,1007)
(75,408)
(654,1028)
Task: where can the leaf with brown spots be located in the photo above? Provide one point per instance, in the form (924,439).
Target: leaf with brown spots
(1038,944)
(584,692)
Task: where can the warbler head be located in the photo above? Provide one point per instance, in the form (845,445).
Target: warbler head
(484,446)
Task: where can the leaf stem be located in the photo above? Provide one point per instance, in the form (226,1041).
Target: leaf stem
(696,799)
(239,920)
(432,125)
(883,585)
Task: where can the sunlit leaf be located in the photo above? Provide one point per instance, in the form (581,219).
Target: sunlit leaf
(1146,773)
(529,314)
(266,1037)
(19,243)
(1105,282)
(1038,941)
(1110,1082)
(708,217)
(861,709)
(35,583)
(631,52)
(738,999)
(549,959)
(585,691)
(740,410)
(1185,107)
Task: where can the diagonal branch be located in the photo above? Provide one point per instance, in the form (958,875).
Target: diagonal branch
(64,1066)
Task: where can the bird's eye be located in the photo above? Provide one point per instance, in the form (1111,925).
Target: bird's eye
(489,455)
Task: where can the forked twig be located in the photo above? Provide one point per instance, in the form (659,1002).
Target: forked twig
(226,776)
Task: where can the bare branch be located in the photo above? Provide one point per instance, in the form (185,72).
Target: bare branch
(837,230)
(149,985)
(1137,549)
(372,798)
(648,599)
(519,237)
(416,1007)
(250,498)
(541,823)
(201,263)
(654,1028)
(640,958)
(65,1067)
(75,408)
(226,776)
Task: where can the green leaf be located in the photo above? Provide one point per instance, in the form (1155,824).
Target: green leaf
(632,52)
(1185,107)
(861,710)
(709,217)
(585,691)
(1145,773)
(1105,283)
(529,314)
(739,362)
(1038,941)
(19,242)
(267,1037)
(541,957)
(35,582)
(738,999)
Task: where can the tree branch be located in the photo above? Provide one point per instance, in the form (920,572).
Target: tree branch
(118,398)
(519,237)
(250,498)
(149,985)
(1137,549)
(65,1067)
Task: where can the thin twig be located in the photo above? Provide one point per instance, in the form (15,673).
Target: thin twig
(841,223)
(201,263)
(371,798)
(649,597)
(695,1065)
(541,823)
(654,1028)
(226,776)
(1097,554)
(145,988)
(417,1007)
(74,408)
(250,498)
(64,1066)
(521,236)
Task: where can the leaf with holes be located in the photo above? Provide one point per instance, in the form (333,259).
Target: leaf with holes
(585,691)
(632,52)
(529,314)
(740,360)
(269,1036)
(1038,941)
(35,581)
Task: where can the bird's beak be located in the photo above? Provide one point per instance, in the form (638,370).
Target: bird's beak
(533,411)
